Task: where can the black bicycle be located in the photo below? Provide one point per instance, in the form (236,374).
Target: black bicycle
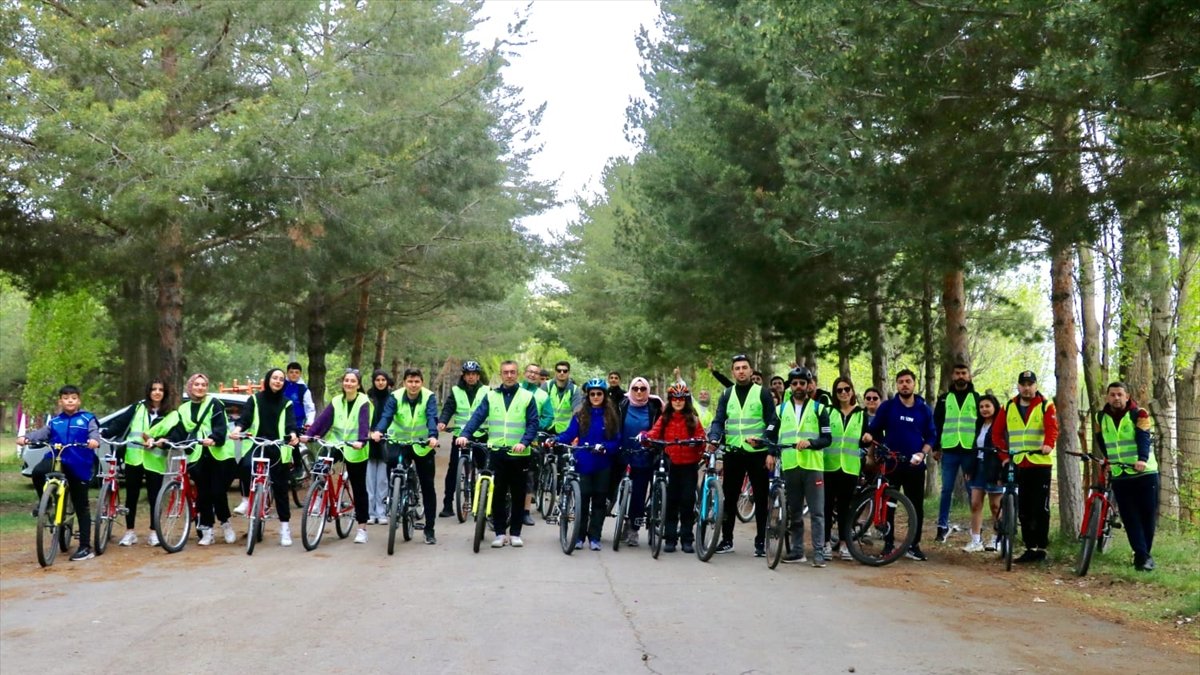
(403,500)
(656,509)
(546,476)
(1006,524)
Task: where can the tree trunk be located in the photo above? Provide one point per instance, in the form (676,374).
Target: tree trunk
(1091,331)
(878,335)
(380,347)
(360,325)
(930,356)
(955,308)
(169,305)
(1162,366)
(1188,428)
(1133,354)
(316,351)
(843,343)
(1066,375)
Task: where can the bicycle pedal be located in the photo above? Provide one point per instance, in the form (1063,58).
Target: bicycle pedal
(1118,526)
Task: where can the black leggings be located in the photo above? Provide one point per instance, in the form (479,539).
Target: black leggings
(910,480)
(425,468)
(737,466)
(681,503)
(593,488)
(510,480)
(357,471)
(78,491)
(212,478)
(1033,505)
(839,489)
(135,477)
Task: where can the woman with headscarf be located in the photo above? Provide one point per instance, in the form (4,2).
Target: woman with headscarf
(638,413)
(377,456)
(268,415)
(144,465)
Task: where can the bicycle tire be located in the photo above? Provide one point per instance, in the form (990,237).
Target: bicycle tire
(394,507)
(47,529)
(547,491)
(105,512)
(173,520)
(654,526)
(624,489)
(863,544)
(1110,522)
(570,518)
(255,522)
(300,486)
(1091,534)
(745,503)
(407,516)
(1008,528)
(480,505)
(312,525)
(344,518)
(708,519)
(777,526)
(462,490)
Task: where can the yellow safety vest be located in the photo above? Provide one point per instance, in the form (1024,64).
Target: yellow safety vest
(793,430)
(345,426)
(844,454)
(1121,445)
(958,430)
(285,451)
(506,426)
(744,421)
(409,426)
(463,409)
(1027,435)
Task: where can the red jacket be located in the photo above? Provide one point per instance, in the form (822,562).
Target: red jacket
(1049,424)
(677,431)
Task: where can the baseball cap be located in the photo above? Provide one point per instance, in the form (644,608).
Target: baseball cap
(1026,377)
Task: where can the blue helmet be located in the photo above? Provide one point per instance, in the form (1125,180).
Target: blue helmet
(471,367)
(595,383)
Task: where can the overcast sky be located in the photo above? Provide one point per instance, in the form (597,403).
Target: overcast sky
(583,63)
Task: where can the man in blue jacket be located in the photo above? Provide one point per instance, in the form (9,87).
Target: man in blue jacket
(905,424)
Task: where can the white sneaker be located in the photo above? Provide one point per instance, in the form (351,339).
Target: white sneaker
(230,535)
(361,537)
(995,544)
(241,508)
(844,552)
(153,540)
(499,541)
(129,539)
(516,541)
(285,534)
(206,536)
(976,546)
(827,550)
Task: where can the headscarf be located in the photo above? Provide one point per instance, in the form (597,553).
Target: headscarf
(187,387)
(635,382)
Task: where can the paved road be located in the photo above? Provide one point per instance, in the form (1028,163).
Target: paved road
(443,609)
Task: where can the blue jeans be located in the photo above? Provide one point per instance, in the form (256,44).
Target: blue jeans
(952,463)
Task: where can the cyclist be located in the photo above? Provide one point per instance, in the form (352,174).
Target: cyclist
(378,455)
(1029,422)
(410,419)
(269,415)
(210,462)
(872,397)
(804,433)
(511,415)
(954,417)
(680,422)
(1123,434)
(905,423)
(637,414)
(744,413)
(565,397)
(597,425)
(143,465)
(464,398)
(703,405)
(843,463)
(778,389)
(535,377)
(72,425)
(615,393)
(983,474)
(347,418)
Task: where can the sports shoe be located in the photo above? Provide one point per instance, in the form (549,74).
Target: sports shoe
(243,507)
(760,551)
(818,560)
(285,534)
(940,537)
(974,547)
(594,544)
(632,539)
(230,535)
(153,540)
(725,547)
(795,557)
(1148,565)
(82,553)
(687,547)
(914,553)
(1030,556)
(578,544)
(992,545)
(516,541)
(499,541)
(528,519)
(668,547)
(844,552)
(429,538)
(371,520)
(827,550)
(129,539)
(361,536)
(206,536)
(446,512)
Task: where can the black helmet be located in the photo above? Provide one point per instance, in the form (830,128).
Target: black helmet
(800,373)
(471,367)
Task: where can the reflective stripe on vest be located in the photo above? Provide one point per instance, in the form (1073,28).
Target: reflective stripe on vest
(793,430)
(844,454)
(1027,436)
(463,409)
(202,429)
(345,425)
(285,451)
(561,401)
(958,430)
(744,421)
(506,426)
(409,426)
(1120,443)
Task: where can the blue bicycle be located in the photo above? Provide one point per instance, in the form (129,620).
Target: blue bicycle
(708,507)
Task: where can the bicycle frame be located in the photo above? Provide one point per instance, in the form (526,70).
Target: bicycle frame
(484,473)
(709,467)
(177,469)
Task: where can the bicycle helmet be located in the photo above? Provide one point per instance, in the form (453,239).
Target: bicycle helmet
(679,390)
(471,367)
(595,383)
(800,373)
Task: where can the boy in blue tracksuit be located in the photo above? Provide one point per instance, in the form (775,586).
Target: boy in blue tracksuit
(70,426)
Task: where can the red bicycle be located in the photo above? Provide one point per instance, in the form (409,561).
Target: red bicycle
(261,498)
(329,497)
(882,522)
(108,502)
(175,507)
(1100,516)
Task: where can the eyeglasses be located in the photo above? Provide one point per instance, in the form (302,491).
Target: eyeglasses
(562,370)
(639,388)
(595,392)
(871,398)
(843,390)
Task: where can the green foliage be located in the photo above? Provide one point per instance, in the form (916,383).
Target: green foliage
(14,315)
(68,340)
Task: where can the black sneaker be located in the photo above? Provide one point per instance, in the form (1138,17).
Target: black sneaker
(725,547)
(669,547)
(1030,556)
(941,535)
(760,551)
(83,553)
(914,553)
(429,538)
(687,547)
(446,512)
(528,520)
(1147,566)
(34,513)
(795,557)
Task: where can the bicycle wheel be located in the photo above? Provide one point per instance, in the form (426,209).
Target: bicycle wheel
(1111,521)
(47,529)
(1092,526)
(1008,528)
(462,491)
(252,534)
(708,519)
(881,543)
(174,521)
(570,517)
(745,503)
(316,508)
(301,477)
(547,491)
(485,488)
(395,506)
(624,488)
(344,516)
(654,524)
(777,526)
(106,510)
(408,516)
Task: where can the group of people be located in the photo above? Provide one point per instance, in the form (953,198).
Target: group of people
(817,439)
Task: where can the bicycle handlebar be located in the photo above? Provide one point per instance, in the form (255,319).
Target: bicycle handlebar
(597,448)
(688,442)
(1100,460)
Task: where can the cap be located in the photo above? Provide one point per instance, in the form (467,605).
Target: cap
(1026,377)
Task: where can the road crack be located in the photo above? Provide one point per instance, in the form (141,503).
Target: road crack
(627,612)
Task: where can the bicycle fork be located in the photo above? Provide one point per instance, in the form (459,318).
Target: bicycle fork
(475,498)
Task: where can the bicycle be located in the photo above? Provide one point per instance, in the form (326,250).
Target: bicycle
(745,503)
(708,506)
(301,475)
(621,503)
(656,510)
(175,506)
(570,499)
(545,484)
(464,486)
(1100,517)
(329,497)
(778,535)
(878,512)
(403,499)
(1006,524)
(261,496)
(481,502)
(108,502)
(56,513)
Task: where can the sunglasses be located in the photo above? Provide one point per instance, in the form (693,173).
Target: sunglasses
(843,390)
(562,370)
(872,398)
(595,392)
(639,389)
